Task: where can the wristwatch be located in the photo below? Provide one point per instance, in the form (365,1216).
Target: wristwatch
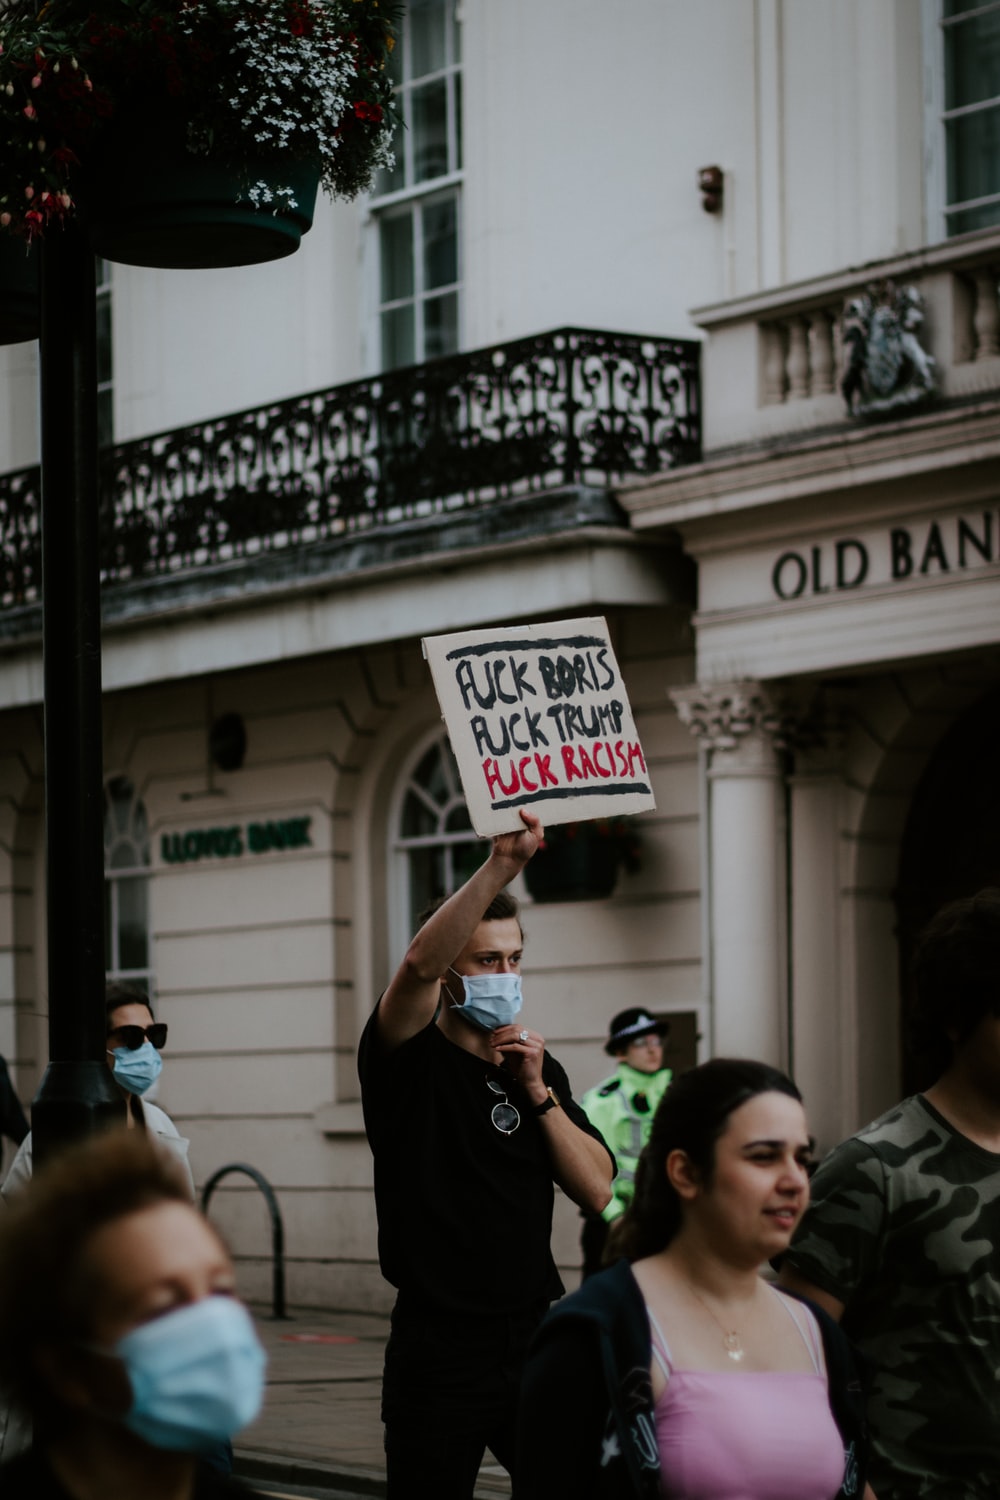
(547,1104)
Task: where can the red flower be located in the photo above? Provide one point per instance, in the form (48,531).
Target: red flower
(299,20)
(366,111)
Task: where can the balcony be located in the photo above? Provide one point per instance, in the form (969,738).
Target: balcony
(350,470)
(774,361)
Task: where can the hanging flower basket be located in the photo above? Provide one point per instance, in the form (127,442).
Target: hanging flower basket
(19,291)
(190,132)
(581,861)
(152,202)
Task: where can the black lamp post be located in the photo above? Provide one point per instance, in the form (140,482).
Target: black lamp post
(77,1093)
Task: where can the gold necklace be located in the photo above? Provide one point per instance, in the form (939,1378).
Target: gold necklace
(731,1341)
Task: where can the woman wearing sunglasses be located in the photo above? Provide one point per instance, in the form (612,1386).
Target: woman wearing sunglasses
(134,1043)
(121,1336)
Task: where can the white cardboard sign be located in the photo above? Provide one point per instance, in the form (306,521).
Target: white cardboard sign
(539,718)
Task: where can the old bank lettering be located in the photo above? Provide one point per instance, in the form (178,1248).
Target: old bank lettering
(926,549)
(970,544)
(795,574)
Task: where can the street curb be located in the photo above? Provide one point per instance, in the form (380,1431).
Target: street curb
(277,1468)
(282,1469)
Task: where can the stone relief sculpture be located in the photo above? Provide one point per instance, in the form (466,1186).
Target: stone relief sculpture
(885,366)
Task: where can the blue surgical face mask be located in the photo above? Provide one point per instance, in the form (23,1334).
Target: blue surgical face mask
(491,1000)
(197,1375)
(137,1071)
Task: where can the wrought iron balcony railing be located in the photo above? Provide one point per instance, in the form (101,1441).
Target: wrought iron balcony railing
(564,408)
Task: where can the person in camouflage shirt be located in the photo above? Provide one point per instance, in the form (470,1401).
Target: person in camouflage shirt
(901,1236)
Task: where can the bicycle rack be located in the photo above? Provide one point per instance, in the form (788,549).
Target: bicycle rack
(277,1227)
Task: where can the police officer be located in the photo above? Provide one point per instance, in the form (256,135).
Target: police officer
(622,1108)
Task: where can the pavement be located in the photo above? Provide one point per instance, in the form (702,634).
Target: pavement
(320,1426)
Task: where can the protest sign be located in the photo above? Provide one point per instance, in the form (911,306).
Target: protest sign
(538,717)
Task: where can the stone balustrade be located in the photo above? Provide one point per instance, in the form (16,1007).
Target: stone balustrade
(773,362)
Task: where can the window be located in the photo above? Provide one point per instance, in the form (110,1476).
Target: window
(126,884)
(970,114)
(416,206)
(434,835)
(105,402)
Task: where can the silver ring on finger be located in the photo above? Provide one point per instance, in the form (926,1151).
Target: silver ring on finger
(522,1036)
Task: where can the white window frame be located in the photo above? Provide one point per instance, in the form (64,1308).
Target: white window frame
(935,124)
(141,869)
(415,195)
(399,846)
(421,295)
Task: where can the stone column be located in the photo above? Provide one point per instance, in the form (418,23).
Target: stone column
(739,725)
(822,1031)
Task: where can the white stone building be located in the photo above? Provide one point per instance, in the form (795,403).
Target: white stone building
(805,602)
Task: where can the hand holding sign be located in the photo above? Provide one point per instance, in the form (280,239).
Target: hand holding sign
(538,717)
(520,846)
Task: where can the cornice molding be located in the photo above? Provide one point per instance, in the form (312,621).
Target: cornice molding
(829,464)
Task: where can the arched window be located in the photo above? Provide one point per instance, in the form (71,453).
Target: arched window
(434,834)
(126,883)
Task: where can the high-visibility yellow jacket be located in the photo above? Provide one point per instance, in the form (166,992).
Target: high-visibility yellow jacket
(622,1107)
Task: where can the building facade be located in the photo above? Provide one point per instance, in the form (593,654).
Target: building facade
(320,461)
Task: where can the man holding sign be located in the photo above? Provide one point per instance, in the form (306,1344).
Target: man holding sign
(471,1122)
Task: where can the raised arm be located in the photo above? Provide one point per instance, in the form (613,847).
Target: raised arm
(411,999)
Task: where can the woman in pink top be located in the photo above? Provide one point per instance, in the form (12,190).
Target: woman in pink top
(681,1372)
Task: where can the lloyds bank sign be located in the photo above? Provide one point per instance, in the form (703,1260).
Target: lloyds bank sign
(235,841)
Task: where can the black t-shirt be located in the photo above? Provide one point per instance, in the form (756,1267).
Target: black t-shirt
(464,1211)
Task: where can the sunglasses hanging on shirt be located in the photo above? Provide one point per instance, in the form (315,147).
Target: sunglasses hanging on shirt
(503,1114)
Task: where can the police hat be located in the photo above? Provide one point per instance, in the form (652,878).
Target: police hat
(628,1025)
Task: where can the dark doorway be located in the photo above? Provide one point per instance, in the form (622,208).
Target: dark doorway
(950,848)
(680,1049)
